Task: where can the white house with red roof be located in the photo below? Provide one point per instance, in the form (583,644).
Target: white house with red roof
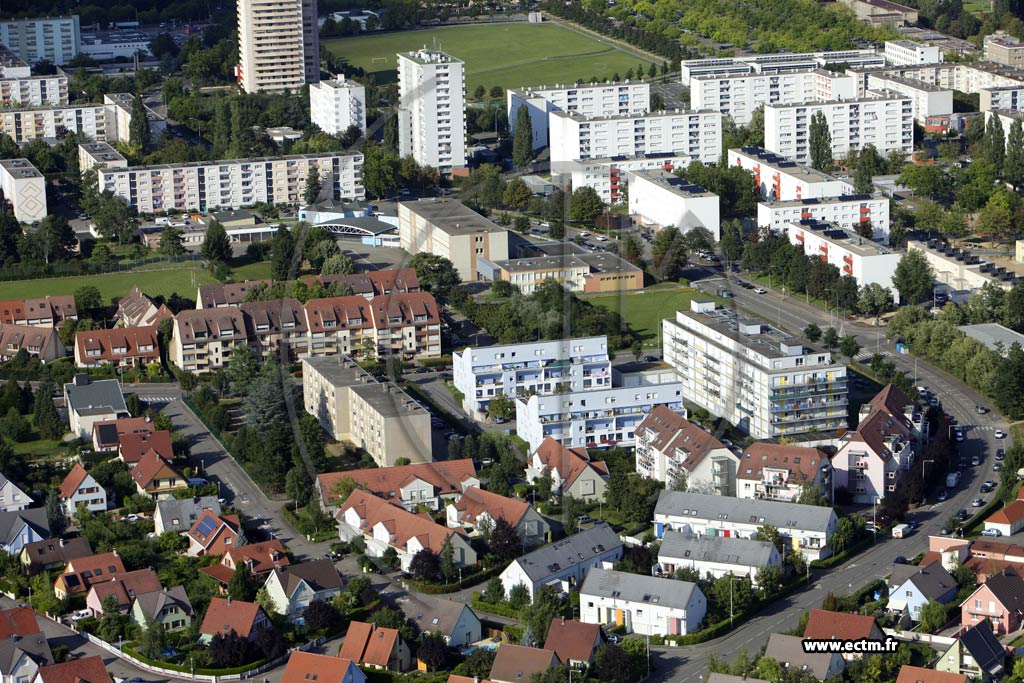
(669,448)
(572,471)
(384,525)
(769,471)
(478,506)
(424,483)
(1008,520)
(79,488)
(214,534)
(872,459)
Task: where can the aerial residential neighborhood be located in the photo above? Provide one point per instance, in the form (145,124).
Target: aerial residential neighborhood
(512,342)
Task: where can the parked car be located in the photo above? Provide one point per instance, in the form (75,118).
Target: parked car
(991,483)
(985,488)
(942,497)
(82,614)
(962,514)
(1000,454)
(1000,434)
(980,410)
(991,532)
(977,502)
(997,466)
(975,461)
(759,290)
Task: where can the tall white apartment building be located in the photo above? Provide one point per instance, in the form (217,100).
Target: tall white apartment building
(659,199)
(337,105)
(432,109)
(780,179)
(738,95)
(900,52)
(752,374)
(34,91)
(233,183)
(608,176)
(846,212)
(595,99)
(968,77)
(694,133)
(777,63)
(50,123)
(1008,98)
(927,99)
(278,45)
(481,373)
(99,154)
(25,188)
(862,259)
(884,119)
(593,418)
(33,40)
(1002,48)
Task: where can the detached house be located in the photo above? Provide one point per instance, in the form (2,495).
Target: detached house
(23,645)
(827,625)
(789,652)
(917,674)
(106,434)
(384,525)
(571,470)
(977,654)
(175,515)
(169,607)
(125,588)
(426,483)
(122,347)
(306,667)
(133,446)
(872,458)
(911,588)
(261,558)
(459,624)
(565,563)
(53,553)
(214,534)
(476,506)
(373,646)
(769,471)
(79,488)
(19,528)
(293,587)
(12,498)
(84,670)
(1007,521)
(670,448)
(716,555)
(89,402)
(82,572)
(138,310)
(516,663)
(225,615)
(1000,600)
(573,642)
(156,478)
(646,605)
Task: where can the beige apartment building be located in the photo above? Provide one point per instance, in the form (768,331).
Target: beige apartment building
(404,324)
(34,91)
(203,338)
(376,416)
(1002,48)
(450,229)
(278,45)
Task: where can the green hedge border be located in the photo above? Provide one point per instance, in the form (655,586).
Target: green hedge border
(432,588)
(129,648)
(501,609)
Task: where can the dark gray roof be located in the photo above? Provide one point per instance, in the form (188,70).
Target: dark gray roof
(11,524)
(789,651)
(35,646)
(320,575)
(433,614)
(744,511)
(151,603)
(575,549)
(608,583)
(369,223)
(741,551)
(95,395)
(984,647)
(186,511)
(933,581)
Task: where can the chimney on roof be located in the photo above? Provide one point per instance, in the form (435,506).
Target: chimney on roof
(229,599)
(115,553)
(62,543)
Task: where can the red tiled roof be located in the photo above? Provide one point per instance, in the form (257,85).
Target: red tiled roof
(225,615)
(1013,512)
(918,674)
(128,586)
(149,467)
(84,670)
(369,644)
(569,463)
(262,555)
(572,640)
(217,523)
(827,625)
(402,524)
(307,667)
(105,346)
(18,621)
(671,430)
(122,426)
(446,476)
(406,308)
(131,447)
(802,463)
(516,663)
(83,572)
(75,477)
(356,638)
(475,501)
(335,313)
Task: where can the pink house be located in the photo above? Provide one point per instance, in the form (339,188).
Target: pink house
(1000,600)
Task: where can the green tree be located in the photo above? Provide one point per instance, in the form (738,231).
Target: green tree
(874,300)
(812,332)
(995,144)
(88,300)
(479,92)
(138,127)
(112,623)
(913,278)
(45,416)
(297,486)
(849,346)
(1013,167)
(282,253)
(54,239)
(668,253)
(171,242)
(585,205)
(243,366)
(55,515)
(502,407)
(435,273)
(243,584)
(819,139)
(518,596)
(505,542)
(448,568)
(313,186)
(933,614)
(517,194)
(494,592)
(216,245)
(996,218)
(425,565)
(830,338)
(497,92)
(863,178)
(339,264)
(153,639)
(380,171)
(522,139)
(731,244)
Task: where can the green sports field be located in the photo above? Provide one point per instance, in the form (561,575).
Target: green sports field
(645,310)
(510,55)
(152,282)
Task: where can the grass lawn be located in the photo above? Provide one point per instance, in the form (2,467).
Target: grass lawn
(1017,433)
(112,285)
(645,311)
(509,55)
(255,270)
(39,448)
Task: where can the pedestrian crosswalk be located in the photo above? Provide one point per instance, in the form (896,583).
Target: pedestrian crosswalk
(158,399)
(866,355)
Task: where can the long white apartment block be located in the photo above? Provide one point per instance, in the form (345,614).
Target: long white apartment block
(780,179)
(901,52)
(885,119)
(481,373)
(48,123)
(757,377)
(608,176)
(34,91)
(846,212)
(968,77)
(33,40)
(927,100)
(864,260)
(233,183)
(695,133)
(593,418)
(628,98)
(778,63)
(278,45)
(99,154)
(119,107)
(25,188)
(337,105)
(1007,98)
(659,199)
(431,114)
(738,95)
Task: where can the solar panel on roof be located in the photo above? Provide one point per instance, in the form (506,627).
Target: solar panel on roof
(206,526)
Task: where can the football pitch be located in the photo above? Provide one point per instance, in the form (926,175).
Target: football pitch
(507,54)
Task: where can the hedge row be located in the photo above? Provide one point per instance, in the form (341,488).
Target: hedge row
(432,588)
(130,649)
(500,608)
